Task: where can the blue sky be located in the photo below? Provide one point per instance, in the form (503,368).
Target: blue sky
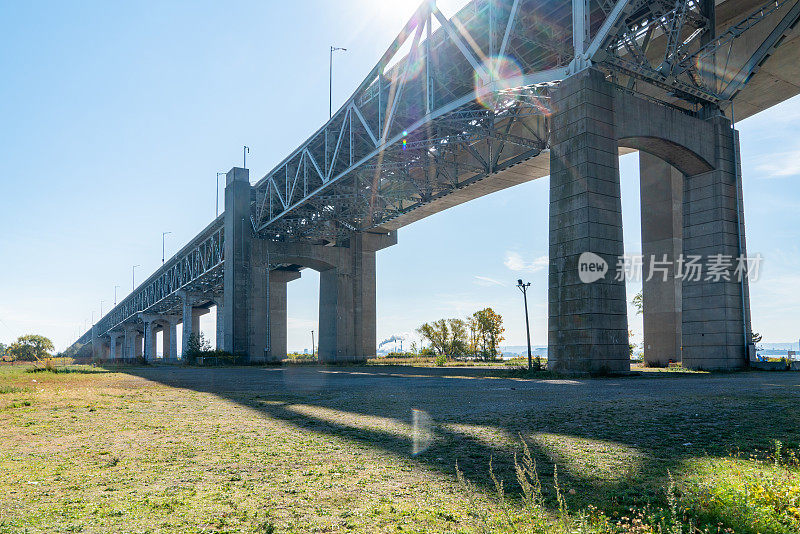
(117,116)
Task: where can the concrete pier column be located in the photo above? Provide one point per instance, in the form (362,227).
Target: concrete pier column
(347,310)
(245,277)
(661,187)
(112,353)
(188,320)
(219,302)
(150,325)
(169,338)
(335,315)
(588,325)
(129,352)
(277,313)
(237,253)
(138,352)
(716,308)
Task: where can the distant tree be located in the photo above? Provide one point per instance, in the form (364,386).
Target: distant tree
(459,342)
(638,302)
(438,334)
(490,332)
(3,348)
(30,348)
(472,325)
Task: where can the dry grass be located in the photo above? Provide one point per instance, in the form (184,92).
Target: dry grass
(333,449)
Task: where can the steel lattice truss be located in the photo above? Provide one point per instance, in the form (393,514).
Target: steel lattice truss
(673,45)
(454,110)
(197,268)
(452,102)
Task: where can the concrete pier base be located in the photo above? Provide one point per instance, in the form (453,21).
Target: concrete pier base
(278,279)
(588,325)
(661,187)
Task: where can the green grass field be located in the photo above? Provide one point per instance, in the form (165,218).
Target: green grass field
(395,449)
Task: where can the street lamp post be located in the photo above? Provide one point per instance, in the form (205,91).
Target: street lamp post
(218,175)
(330,92)
(524,288)
(312,344)
(163,238)
(115,295)
(133,277)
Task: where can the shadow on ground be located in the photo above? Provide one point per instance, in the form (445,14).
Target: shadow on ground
(614,439)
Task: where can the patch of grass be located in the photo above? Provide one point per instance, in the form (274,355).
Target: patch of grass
(375,449)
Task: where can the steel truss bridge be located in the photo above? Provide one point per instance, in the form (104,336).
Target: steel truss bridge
(460,107)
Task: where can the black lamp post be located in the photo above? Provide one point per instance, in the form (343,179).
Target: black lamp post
(524,288)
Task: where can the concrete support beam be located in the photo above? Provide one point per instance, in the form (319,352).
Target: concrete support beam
(716,312)
(278,279)
(661,187)
(347,328)
(238,268)
(219,302)
(138,352)
(588,326)
(169,338)
(129,351)
(115,338)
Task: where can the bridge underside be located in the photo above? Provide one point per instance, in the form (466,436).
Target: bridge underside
(505,92)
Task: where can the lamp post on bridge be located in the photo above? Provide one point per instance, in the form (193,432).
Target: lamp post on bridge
(163,238)
(115,295)
(101,308)
(218,175)
(524,288)
(133,277)
(330,92)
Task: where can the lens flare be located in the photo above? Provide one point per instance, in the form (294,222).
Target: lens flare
(503,73)
(421,431)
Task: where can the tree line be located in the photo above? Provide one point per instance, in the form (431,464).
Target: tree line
(28,348)
(478,336)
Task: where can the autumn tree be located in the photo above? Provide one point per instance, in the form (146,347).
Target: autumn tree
(448,337)
(459,343)
(490,332)
(437,333)
(30,348)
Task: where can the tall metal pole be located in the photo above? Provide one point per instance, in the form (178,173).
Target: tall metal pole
(524,288)
(101,308)
(330,84)
(312,344)
(163,237)
(218,175)
(133,277)
(115,295)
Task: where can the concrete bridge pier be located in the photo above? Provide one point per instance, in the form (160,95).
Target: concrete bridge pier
(169,338)
(347,310)
(114,336)
(707,313)
(588,324)
(278,279)
(219,302)
(661,187)
(716,307)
